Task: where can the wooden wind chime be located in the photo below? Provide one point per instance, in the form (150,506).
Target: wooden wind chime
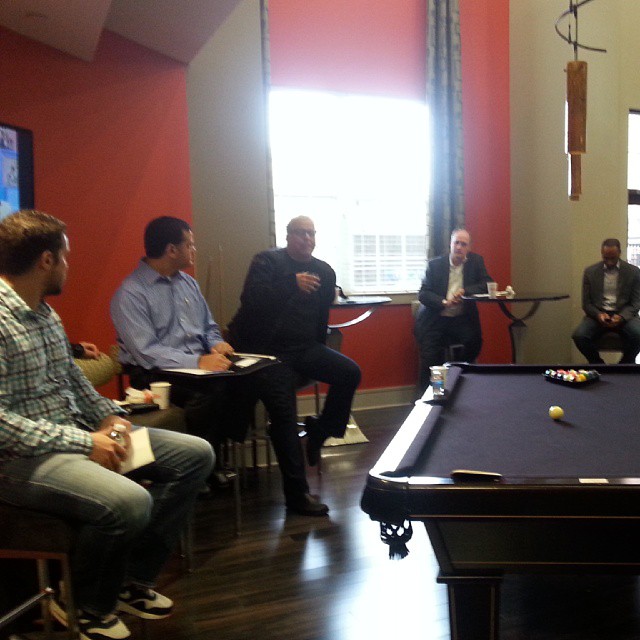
(576,101)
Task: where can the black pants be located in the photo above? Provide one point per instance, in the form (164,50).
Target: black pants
(319,362)
(276,387)
(441,334)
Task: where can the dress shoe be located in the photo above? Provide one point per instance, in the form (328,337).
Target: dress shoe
(315,439)
(307,505)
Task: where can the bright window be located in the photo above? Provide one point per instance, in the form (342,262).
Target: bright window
(633,186)
(359,167)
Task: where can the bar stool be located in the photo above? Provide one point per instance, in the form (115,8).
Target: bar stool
(27,534)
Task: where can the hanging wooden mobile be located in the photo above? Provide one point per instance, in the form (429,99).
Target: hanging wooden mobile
(576,100)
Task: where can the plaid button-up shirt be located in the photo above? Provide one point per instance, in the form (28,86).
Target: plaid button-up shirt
(46,403)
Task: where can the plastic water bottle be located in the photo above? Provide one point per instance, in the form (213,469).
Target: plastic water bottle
(438,377)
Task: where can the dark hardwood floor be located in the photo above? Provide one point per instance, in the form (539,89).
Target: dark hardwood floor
(331,579)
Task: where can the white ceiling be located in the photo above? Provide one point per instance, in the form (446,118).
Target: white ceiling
(175,28)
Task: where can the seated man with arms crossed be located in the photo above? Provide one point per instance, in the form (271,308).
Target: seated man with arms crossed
(57,452)
(163,321)
(445,318)
(610,301)
(285,312)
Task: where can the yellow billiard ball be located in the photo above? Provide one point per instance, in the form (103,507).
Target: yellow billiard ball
(556,412)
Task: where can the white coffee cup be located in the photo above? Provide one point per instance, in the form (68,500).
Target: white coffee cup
(160,391)
(492,288)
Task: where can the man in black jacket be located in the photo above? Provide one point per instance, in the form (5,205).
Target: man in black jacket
(610,301)
(444,317)
(284,312)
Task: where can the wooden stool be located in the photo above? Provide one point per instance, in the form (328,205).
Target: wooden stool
(32,535)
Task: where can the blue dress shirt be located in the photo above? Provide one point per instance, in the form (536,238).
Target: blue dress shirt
(162,322)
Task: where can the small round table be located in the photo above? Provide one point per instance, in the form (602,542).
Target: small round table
(518,327)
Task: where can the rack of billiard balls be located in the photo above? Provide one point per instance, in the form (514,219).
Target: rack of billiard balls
(572,376)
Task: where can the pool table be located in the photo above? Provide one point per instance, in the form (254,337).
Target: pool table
(503,488)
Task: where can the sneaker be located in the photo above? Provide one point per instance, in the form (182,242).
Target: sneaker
(144,603)
(108,627)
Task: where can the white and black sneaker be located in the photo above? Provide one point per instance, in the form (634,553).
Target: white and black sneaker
(144,603)
(108,627)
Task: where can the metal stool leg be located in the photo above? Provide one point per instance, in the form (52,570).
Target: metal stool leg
(236,451)
(69,601)
(186,545)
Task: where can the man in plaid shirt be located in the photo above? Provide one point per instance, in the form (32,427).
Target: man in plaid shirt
(59,449)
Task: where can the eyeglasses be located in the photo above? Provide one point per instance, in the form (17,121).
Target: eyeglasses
(302,233)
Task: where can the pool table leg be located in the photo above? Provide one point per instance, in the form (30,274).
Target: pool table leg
(473,606)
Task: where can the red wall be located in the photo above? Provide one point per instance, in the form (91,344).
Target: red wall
(111,152)
(484,26)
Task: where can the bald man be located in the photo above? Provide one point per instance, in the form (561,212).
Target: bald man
(285,312)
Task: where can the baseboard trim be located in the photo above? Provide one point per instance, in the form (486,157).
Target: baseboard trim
(367,399)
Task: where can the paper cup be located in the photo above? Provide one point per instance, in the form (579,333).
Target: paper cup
(492,288)
(160,391)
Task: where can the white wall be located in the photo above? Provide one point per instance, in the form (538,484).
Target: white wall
(227,124)
(553,239)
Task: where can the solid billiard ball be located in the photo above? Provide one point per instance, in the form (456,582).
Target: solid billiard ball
(556,412)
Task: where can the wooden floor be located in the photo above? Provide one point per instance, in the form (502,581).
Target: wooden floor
(331,579)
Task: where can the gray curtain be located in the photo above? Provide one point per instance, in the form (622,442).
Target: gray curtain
(444,96)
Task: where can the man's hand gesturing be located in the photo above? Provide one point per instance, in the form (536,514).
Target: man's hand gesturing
(307,282)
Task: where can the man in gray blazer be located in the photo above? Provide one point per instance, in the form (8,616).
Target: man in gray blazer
(444,317)
(610,301)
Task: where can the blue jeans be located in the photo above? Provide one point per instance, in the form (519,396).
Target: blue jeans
(125,531)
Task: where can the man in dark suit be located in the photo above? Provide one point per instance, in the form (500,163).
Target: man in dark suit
(444,317)
(610,301)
